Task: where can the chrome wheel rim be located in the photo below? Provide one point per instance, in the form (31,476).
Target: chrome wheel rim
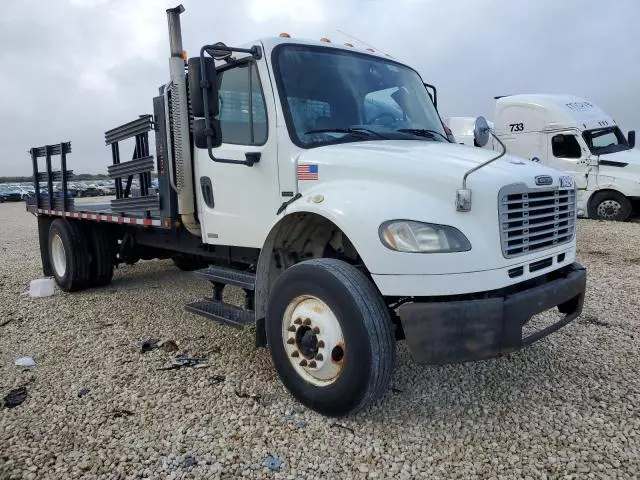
(609,209)
(313,340)
(58,256)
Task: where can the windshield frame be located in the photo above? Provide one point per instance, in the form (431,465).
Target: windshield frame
(615,129)
(291,130)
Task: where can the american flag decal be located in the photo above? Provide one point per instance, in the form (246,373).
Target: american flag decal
(307,171)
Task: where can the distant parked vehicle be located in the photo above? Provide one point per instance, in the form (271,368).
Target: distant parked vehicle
(15,194)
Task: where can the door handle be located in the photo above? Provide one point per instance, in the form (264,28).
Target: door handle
(207,191)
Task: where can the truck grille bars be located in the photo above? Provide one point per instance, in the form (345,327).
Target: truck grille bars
(141,164)
(534,219)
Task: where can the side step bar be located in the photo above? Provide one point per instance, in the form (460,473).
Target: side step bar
(222,312)
(215,308)
(229,276)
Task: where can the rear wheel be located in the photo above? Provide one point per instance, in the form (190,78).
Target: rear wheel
(610,205)
(103,255)
(330,336)
(68,255)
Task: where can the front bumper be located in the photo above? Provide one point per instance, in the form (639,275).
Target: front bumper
(468,330)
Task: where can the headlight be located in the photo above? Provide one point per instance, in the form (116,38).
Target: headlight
(418,237)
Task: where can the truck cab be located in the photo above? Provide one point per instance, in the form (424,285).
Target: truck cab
(572,134)
(320,179)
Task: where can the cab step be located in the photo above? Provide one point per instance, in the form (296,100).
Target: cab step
(222,312)
(228,276)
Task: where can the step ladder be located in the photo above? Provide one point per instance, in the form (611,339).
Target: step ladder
(215,308)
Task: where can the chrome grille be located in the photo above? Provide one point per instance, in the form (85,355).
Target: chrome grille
(535,219)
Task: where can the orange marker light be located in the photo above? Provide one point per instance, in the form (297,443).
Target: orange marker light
(284,35)
(184,55)
(325,40)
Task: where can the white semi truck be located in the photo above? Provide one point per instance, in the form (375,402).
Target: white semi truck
(571,134)
(320,180)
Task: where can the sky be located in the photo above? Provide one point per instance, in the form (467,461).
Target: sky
(72,69)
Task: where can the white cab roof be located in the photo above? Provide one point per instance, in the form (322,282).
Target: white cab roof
(561,111)
(270,43)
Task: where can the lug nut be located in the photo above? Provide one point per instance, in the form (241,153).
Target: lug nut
(307,321)
(295,353)
(312,364)
(292,328)
(303,363)
(297,321)
(315,330)
(321,344)
(319,357)
(291,341)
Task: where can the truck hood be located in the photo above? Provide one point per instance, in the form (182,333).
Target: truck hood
(630,157)
(421,163)
(625,164)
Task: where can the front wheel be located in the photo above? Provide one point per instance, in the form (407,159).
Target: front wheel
(610,205)
(331,336)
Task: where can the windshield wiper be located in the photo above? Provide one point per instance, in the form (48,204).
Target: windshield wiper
(423,132)
(365,132)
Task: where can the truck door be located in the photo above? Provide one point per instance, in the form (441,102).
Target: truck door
(237,203)
(565,153)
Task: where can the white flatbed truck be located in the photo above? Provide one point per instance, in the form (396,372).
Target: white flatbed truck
(571,134)
(320,180)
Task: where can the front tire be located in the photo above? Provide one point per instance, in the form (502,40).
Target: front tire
(331,336)
(69,255)
(610,205)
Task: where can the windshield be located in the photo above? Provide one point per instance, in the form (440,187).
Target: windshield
(605,140)
(333,96)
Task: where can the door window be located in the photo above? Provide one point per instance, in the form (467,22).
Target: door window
(238,88)
(565,146)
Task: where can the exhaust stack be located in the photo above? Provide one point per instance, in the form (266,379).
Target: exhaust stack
(180,125)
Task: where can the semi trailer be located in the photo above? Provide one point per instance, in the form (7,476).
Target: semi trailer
(571,134)
(320,180)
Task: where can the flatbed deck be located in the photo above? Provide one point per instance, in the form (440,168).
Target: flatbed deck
(103,212)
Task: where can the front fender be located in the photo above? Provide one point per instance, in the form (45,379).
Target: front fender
(629,185)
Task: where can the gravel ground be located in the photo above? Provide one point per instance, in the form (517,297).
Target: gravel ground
(568,407)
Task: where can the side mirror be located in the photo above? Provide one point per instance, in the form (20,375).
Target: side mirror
(631,138)
(203,91)
(481,132)
(200,133)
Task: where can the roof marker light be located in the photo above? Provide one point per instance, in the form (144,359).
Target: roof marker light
(370,50)
(348,44)
(284,35)
(325,40)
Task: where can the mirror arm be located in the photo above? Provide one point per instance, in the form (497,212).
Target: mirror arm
(463,196)
(482,165)
(205,85)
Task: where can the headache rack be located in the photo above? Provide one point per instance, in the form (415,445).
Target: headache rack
(535,219)
(141,164)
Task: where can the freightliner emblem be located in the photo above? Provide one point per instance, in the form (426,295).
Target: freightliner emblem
(544,180)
